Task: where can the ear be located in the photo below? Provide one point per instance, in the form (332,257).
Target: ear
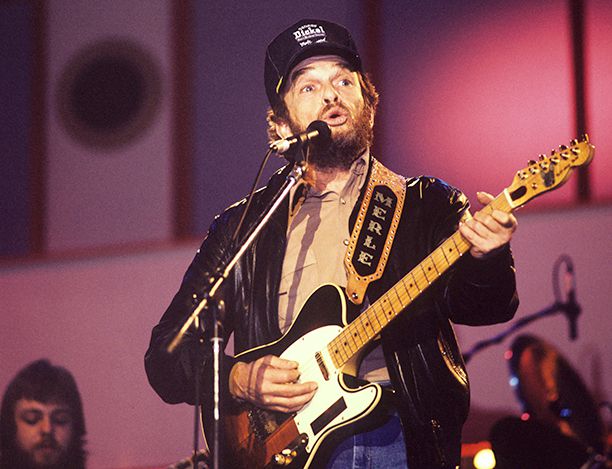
(282,129)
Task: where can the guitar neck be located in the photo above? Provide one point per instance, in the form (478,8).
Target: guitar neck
(374,319)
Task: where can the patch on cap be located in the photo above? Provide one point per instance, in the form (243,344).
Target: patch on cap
(310,34)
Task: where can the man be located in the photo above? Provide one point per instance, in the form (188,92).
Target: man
(314,72)
(42,420)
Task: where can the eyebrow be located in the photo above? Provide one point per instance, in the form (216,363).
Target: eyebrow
(295,74)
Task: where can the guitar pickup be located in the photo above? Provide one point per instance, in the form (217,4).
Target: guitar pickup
(322,366)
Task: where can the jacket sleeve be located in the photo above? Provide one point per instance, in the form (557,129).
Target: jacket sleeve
(478,291)
(172,376)
(475,291)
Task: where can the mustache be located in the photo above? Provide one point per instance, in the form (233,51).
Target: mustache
(47,442)
(330,106)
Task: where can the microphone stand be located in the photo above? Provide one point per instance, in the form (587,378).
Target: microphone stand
(570,308)
(209,302)
(557,307)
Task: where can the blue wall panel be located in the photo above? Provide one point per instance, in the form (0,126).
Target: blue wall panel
(15,107)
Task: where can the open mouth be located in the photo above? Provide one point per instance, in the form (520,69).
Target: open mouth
(336,116)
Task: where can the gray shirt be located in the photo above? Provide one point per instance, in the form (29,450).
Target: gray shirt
(317,238)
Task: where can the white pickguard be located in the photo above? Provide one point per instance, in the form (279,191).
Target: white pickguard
(358,403)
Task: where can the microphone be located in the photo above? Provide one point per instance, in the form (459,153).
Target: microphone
(571,308)
(317,131)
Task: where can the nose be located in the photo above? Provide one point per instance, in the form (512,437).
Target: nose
(46,426)
(330,95)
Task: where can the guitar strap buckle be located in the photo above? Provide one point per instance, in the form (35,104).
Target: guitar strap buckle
(374,231)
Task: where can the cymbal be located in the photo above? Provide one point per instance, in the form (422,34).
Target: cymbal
(552,392)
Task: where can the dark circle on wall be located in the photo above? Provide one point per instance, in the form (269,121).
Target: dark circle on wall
(109,93)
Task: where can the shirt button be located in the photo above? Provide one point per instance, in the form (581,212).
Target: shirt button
(345,242)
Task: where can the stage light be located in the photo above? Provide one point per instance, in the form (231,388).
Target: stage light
(484,459)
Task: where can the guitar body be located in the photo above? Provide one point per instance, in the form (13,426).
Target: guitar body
(253,436)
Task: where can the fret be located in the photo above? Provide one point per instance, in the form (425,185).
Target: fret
(414,283)
(366,326)
(401,303)
(337,352)
(424,273)
(380,314)
(457,250)
(441,249)
(348,340)
(356,337)
(434,262)
(373,315)
(403,284)
(426,268)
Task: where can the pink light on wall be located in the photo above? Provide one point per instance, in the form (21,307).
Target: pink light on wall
(472,100)
(598,39)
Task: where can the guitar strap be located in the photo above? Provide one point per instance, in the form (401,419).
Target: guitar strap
(377,221)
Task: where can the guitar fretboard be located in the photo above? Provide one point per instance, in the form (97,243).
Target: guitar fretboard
(370,322)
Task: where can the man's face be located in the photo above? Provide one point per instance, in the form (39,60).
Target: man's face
(324,88)
(44,431)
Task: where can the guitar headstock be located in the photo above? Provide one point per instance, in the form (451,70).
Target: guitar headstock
(549,172)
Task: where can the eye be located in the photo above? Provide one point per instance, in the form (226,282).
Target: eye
(345,82)
(61,418)
(31,418)
(307,89)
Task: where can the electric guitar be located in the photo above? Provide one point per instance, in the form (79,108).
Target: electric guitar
(328,348)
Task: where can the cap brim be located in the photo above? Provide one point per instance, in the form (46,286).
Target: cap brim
(319,49)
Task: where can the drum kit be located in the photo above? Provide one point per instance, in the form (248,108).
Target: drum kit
(561,426)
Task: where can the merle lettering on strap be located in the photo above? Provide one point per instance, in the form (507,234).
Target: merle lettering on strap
(374,230)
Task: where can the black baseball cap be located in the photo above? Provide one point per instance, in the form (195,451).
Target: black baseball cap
(305,39)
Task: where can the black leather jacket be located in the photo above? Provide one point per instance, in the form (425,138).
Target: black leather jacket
(423,359)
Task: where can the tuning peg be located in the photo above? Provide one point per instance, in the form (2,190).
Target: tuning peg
(575,151)
(555,159)
(562,147)
(541,157)
(584,138)
(532,162)
(574,142)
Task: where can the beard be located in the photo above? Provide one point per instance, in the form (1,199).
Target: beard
(346,145)
(21,459)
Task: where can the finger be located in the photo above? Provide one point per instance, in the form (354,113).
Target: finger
(481,244)
(506,220)
(280,376)
(470,234)
(476,227)
(287,404)
(292,390)
(278,362)
(484,197)
(486,225)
